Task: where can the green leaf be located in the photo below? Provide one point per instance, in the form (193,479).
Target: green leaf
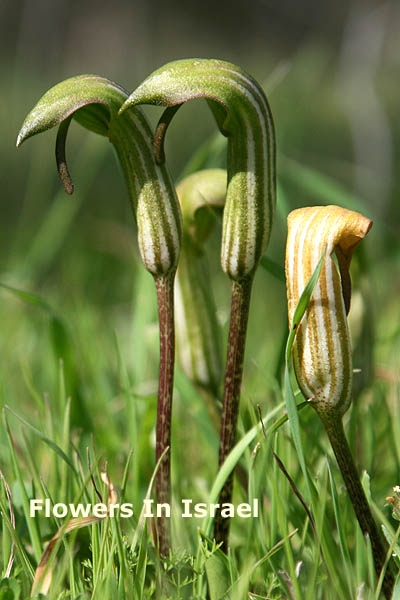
(140,528)
(9,589)
(32,523)
(391,540)
(231,461)
(46,440)
(396,589)
(289,395)
(233,458)
(29,298)
(278,546)
(218,575)
(339,525)
(302,305)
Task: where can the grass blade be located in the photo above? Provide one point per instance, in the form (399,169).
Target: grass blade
(289,395)
(46,440)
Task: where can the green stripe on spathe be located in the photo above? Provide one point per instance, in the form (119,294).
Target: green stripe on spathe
(244,117)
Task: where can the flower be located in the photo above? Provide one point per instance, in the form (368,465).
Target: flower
(243,115)
(322,349)
(94,102)
(201,195)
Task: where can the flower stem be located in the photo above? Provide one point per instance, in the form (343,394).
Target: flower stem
(334,428)
(165,301)
(241,291)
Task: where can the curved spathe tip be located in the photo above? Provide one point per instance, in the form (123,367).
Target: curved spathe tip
(64,99)
(179,81)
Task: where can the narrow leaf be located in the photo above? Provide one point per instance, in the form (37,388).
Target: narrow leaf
(289,395)
(46,440)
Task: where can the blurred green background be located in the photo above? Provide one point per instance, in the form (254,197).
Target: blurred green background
(331,73)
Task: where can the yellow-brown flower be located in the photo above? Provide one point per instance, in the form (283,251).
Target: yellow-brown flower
(322,349)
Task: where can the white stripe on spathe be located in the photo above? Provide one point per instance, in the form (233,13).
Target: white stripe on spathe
(250,202)
(158,229)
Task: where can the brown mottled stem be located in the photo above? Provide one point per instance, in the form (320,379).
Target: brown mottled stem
(334,428)
(165,300)
(241,291)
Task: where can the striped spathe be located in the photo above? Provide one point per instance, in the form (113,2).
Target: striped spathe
(94,102)
(322,348)
(243,115)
